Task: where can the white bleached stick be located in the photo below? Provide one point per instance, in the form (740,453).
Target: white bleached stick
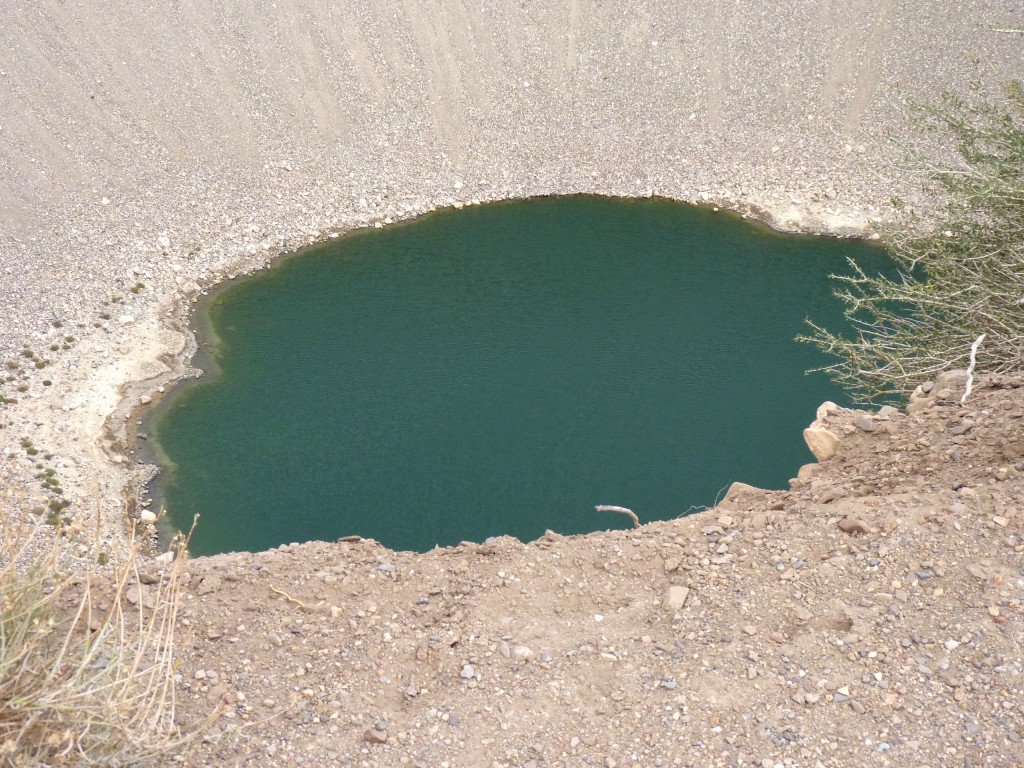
(970,368)
(621,510)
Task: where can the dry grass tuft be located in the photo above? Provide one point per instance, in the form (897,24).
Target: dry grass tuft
(86,659)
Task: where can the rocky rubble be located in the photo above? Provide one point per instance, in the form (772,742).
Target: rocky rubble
(869,615)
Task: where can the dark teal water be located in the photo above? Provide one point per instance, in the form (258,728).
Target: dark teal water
(501,370)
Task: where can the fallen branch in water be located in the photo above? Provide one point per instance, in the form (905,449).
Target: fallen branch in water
(621,510)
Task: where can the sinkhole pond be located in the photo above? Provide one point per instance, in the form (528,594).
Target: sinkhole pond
(500,369)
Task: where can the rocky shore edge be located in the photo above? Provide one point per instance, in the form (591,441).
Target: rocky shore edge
(87,420)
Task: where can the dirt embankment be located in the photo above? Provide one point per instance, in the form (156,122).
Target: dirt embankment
(871,615)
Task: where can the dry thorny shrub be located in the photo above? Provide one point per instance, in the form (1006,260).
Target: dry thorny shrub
(86,674)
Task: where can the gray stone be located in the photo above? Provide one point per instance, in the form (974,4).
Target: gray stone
(865,424)
(468,672)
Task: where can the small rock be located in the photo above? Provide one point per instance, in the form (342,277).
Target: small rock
(917,406)
(468,672)
(950,385)
(807,471)
(853,525)
(147,517)
(523,653)
(865,424)
(675,597)
(373,736)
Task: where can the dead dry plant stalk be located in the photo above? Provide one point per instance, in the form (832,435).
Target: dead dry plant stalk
(86,678)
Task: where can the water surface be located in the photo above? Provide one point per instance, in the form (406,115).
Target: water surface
(500,370)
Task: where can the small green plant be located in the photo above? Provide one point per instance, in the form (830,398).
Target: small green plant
(102,559)
(137,288)
(104,315)
(14,365)
(57,324)
(57,520)
(28,353)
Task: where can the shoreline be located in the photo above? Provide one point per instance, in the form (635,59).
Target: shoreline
(139,396)
(148,398)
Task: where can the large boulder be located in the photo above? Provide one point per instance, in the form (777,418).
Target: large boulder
(823,442)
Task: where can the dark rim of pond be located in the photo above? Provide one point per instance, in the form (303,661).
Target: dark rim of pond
(500,369)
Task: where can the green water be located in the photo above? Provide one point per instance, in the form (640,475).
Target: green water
(501,370)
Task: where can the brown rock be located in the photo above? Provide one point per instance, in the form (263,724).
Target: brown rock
(807,471)
(917,406)
(373,736)
(853,525)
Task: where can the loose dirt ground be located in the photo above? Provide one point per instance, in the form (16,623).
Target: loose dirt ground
(871,615)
